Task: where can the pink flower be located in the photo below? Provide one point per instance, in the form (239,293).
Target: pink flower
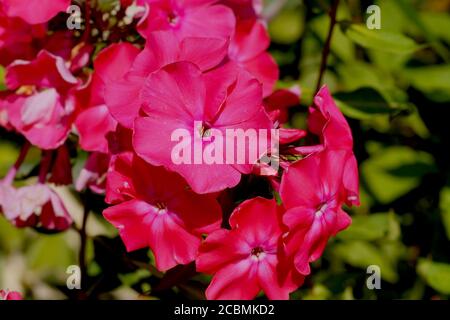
(159,211)
(34,11)
(188,18)
(18,38)
(35,206)
(244,9)
(180,97)
(327,121)
(278,103)
(43,108)
(94,122)
(248,258)
(93,174)
(313,192)
(123,96)
(10,295)
(248,48)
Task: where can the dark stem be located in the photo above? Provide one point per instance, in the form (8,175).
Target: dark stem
(83,241)
(326,48)
(13,171)
(46,162)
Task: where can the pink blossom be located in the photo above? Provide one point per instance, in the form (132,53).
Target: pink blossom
(188,18)
(94,121)
(249,257)
(18,38)
(34,11)
(158,211)
(313,192)
(248,48)
(326,121)
(10,295)
(93,174)
(35,206)
(43,108)
(123,96)
(179,96)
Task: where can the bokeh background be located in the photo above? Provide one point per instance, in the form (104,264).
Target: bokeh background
(393,85)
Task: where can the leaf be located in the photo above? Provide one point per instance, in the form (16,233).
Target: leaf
(444,205)
(364,103)
(379,39)
(409,11)
(436,275)
(394,171)
(51,252)
(434,81)
(371,227)
(362,254)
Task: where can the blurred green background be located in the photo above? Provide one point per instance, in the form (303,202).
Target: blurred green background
(393,85)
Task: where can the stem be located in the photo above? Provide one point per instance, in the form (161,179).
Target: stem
(46,161)
(83,241)
(326,48)
(9,178)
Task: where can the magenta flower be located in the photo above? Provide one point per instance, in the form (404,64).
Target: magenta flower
(167,217)
(326,121)
(10,295)
(313,193)
(34,11)
(123,96)
(180,97)
(248,49)
(43,108)
(188,18)
(249,257)
(94,121)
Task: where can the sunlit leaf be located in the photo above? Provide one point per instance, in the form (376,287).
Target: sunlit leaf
(436,274)
(394,171)
(362,254)
(380,39)
(444,205)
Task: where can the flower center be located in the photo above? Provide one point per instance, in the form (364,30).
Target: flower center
(257,253)
(173,18)
(321,209)
(205,131)
(161,206)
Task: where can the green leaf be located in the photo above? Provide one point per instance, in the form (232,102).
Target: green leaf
(371,227)
(444,205)
(51,252)
(434,81)
(362,254)
(394,171)
(364,103)
(436,275)
(379,39)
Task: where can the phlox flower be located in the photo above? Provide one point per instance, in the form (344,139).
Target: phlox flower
(249,257)
(156,208)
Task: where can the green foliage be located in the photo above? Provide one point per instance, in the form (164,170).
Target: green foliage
(380,40)
(436,274)
(394,171)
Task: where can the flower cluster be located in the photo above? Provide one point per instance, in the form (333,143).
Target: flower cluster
(205,69)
